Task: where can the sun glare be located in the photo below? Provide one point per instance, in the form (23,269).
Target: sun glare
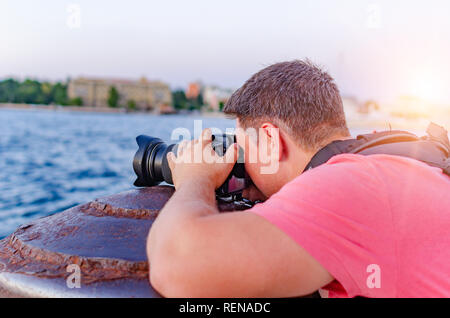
(425,97)
(428,86)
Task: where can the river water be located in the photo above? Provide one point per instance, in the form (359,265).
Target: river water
(53,160)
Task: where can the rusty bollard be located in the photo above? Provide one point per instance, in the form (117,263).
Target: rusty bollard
(103,242)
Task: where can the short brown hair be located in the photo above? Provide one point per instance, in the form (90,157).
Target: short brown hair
(298,96)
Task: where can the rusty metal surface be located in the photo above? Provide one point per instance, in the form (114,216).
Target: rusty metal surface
(106,238)
(19,285)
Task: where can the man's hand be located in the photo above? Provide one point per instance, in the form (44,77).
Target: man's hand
(252,193)
(197,161)
(195,251)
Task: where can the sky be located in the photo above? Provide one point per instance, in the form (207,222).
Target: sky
(374,49)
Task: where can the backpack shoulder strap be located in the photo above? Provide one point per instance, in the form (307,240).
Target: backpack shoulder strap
(446,167)
(358,144)
(433,149)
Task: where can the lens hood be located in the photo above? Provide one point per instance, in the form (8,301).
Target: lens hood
(142,161)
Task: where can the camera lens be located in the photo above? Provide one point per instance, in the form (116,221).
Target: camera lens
(150,161)
(151,166)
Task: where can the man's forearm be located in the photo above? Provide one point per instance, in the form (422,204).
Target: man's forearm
(192,200)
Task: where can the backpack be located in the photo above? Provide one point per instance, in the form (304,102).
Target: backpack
(432,149)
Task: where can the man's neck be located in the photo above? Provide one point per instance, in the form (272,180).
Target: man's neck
(303,157)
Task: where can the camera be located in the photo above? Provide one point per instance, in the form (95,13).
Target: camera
(151,166)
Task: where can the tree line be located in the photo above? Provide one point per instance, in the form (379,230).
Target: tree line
(30,91)
(180,101)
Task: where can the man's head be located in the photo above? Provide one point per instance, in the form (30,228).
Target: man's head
(298,100)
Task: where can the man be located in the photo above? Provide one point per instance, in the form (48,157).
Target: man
(372,226)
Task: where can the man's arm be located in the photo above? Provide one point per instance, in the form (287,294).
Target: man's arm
(196,252)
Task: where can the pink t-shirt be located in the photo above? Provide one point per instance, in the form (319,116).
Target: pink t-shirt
(379,224)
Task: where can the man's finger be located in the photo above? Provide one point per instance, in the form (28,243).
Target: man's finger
(206,136)
(181,147)
(171,160)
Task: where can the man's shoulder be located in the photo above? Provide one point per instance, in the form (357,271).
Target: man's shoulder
(358,174)
(348,166)
(357,159)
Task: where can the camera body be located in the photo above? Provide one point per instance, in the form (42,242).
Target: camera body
(151,166)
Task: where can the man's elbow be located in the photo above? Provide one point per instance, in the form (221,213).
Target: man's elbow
(169,265)
(159,282)
(173,278)
(166,285)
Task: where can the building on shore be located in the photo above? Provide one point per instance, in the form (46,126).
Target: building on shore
(193,90)
(142,94)
(212,97)
(216,97)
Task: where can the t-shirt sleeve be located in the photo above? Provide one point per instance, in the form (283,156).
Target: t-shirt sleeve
(340,214)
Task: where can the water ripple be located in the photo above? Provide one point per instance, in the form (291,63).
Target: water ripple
(51,161)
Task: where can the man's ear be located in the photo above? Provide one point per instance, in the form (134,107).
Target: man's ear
(273,135)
